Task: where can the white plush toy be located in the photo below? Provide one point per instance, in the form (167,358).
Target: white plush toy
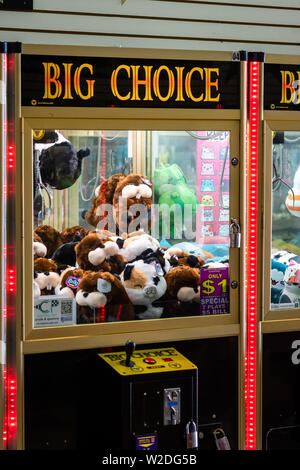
(135,246)
(291,290)
(136,191)
(39,249)
(144,284)
(36,290)
(97,256)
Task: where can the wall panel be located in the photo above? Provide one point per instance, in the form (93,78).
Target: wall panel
(271,26)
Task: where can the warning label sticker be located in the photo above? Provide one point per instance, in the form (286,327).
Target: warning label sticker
(148,442)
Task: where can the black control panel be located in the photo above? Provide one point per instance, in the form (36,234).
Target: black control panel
(75,400)
(280,388)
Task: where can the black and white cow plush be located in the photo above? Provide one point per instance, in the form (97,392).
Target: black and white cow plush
(145,285)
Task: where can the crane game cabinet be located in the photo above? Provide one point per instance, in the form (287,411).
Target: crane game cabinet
(126,189)
(280,324)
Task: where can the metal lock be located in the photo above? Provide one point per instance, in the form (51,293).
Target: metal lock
(221,440)
(235,234)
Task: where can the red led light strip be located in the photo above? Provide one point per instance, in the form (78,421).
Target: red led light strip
(102,178)
(11,280)
(100,314)
(10,377)
(11,157)
(3,367)
(119,312)
(11,272)
(252,197)
(5,427)
(11,405)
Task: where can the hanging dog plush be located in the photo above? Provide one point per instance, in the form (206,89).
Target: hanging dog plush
(59,162)
(57,165)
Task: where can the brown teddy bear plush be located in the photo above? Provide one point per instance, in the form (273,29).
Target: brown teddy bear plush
(69,281)
(104,195)
(96,254)
(46,276)
(105,293)
(183,292)
(70,234)
(39,249)
(133,190)
(50,237)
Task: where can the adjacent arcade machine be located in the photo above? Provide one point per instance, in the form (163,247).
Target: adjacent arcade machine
(280,325)
(128,247)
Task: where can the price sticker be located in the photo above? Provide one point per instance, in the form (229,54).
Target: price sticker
(157,267)
(214,291)
(103,286)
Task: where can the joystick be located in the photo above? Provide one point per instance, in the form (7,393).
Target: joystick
(129,349)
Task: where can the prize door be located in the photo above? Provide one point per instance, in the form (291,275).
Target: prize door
(132,225)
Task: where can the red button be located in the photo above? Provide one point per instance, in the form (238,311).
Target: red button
(149,360)
(167,359)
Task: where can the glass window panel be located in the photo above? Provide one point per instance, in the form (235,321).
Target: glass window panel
(285,258)
(130,225)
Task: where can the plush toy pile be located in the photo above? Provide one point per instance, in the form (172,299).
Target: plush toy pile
(123,276)
(285,279)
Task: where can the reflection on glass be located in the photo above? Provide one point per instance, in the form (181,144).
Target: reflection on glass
(130,225)
(285,259)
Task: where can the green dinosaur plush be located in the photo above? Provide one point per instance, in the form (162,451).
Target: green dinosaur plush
(168,174)
(171,189)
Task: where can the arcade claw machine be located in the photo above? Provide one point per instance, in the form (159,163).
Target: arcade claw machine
(125,175)
(280,426)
